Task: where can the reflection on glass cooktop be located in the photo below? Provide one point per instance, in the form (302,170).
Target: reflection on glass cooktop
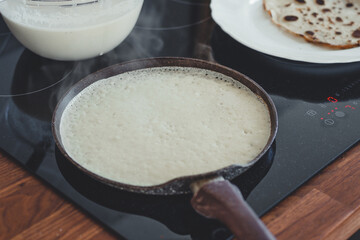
(318,107)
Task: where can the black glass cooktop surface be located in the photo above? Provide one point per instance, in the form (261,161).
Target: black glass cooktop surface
(318,107)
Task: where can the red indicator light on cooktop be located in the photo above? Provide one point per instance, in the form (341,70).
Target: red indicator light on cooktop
(331,99)
(348,106)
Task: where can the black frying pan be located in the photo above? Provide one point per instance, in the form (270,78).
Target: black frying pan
(174,211)
(214,196)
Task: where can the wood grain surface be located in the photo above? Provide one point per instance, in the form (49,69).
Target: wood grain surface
(327,207)
(31,210)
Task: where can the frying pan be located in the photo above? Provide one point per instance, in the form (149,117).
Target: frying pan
(214,196)
(173,211)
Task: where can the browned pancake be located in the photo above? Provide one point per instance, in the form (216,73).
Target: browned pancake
(331,23)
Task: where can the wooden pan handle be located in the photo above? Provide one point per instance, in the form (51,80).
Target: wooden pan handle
(223,201)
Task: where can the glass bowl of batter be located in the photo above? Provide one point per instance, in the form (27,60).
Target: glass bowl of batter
(71,32)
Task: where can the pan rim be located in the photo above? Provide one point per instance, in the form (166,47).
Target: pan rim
(169,187)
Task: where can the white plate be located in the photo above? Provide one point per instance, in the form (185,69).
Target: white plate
(248,23)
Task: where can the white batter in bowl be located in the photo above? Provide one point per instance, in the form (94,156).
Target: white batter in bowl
(71,33)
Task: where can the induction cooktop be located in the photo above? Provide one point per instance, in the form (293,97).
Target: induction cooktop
(318,107)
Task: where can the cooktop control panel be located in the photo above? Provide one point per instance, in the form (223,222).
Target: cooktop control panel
(340,107)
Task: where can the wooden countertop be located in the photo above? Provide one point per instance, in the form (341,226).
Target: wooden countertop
(327,207)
